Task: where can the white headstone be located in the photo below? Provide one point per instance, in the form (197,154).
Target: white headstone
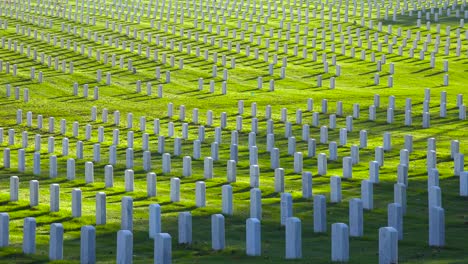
(175,190)
(253,237)
(101,208)
(127,213)
(154,220)
(436,226)
(217,232)
(293,238)
(395,218)
(29,235)
(227,201)
(185,228)
(388,245)
(256,203)
(4,230)
(162,248)
(320,214)
(340,242)
(124,246)
(200,190)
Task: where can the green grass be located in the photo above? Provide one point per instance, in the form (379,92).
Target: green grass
(54,98)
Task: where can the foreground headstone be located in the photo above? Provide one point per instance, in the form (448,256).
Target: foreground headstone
(340,242)
(464,184)
(101,208)
(208,168)
(127,213)
(89,172)
(56,242)
(322,164)
(175,190)
(320,214)
(54,197)
(256,203)
(76,202)
(33,193)
(436,226)
(379,155)
(154,220)
(129,180)
(306,184)
(88,244)
(4,230)
(335,192)
(231,171)
(14,187)
(166,163)
(286,207)
(434,196)
(279,180)
(162,249)
(227,207)
(388,245)
(293,238)
(356,218)
(395,218)
(459,164)
(253,237)
(374,171)
(109,176)
(29,235)
(399,195)
(124,247)
(254,176)
(185,228)
(151,184)
(70,169)
(347,167)
(363,139)
(37,164)
(200,191)
(217,232)
(367,194)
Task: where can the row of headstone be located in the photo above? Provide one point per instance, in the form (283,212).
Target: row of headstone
(124,254)
(315,120)
(17,92)
(340,231)
(187,163)
(151,11)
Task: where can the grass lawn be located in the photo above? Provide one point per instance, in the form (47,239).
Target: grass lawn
(354,85)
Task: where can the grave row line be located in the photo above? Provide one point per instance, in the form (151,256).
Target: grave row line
(319,78)
(419,15)
(268,114)
(319,81)
(201,130)
(298,11)
(321,164)
(293,238)
(448,29)
(255,173)
(197,144)
(400,188)
(142,7)
(296,47)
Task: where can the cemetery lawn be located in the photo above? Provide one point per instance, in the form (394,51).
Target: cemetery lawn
(54,98)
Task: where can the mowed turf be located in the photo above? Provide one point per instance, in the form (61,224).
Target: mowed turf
(54,98)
